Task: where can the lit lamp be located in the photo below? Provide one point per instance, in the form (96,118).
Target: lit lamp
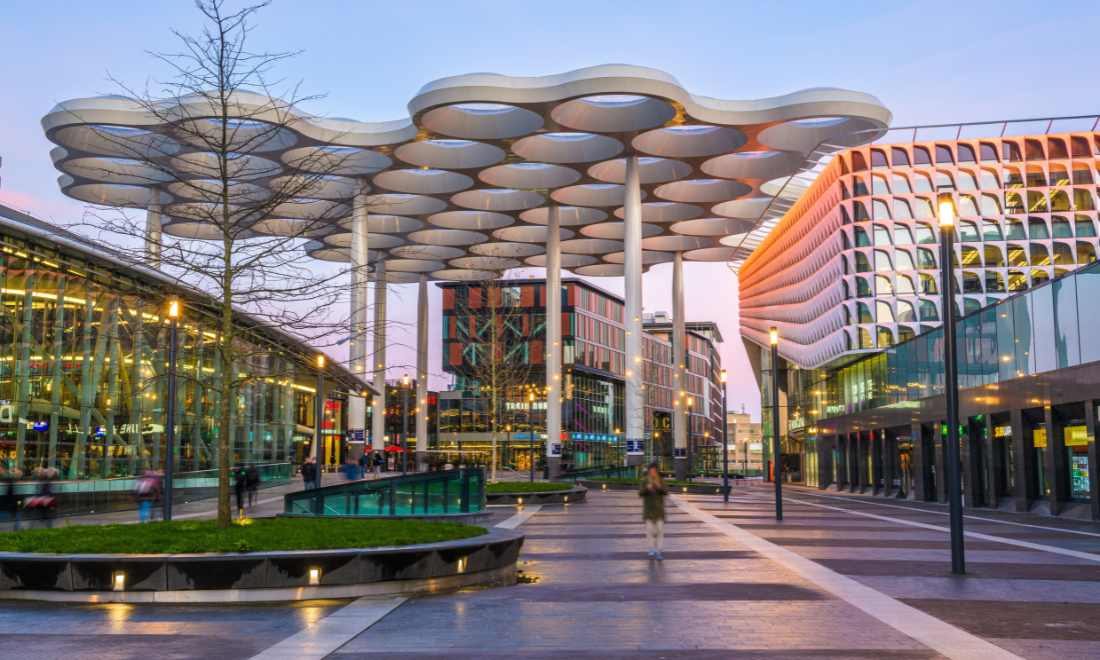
(777,467)
(319,406)
(951,387)
(725,444)
(119,581)
(405,427)
(170,409)
(531,436)
(314,577)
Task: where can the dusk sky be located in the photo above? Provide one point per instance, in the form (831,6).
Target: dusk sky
(929,62)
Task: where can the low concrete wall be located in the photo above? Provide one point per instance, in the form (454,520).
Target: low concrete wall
(475,517)
(260,575)
(575,494)
(701,488)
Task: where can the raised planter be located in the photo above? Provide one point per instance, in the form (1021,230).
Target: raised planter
(673,489)
(575,494)
(259,576)
(464,518)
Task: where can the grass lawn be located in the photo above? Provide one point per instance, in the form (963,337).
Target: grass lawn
(261,534)
(523,487)
(668,482)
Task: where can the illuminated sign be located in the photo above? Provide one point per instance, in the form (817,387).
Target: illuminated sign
(1002,431)
(1039,436)
(1077,436)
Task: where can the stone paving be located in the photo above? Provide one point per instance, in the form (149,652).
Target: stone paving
(590,592)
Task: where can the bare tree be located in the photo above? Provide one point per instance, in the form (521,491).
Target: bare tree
(230,161)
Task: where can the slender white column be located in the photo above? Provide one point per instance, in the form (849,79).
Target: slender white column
(422,371)
(357,406)
(632,274)
(378,409)
(153,235)
(679,370)
(553,341)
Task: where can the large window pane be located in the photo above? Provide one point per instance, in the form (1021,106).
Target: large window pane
(1066,333)
(1088,311)
(1006,341)
(1025,356)
(1042,323)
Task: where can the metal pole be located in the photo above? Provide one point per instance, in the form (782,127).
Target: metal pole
(318,447)
(531,442)
(777,468)
(725,445)
(951,387)
(170,425)
(405,431)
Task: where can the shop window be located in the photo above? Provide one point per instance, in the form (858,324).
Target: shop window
(1063,255)
(1086,253)
(1080,147)
(861,237)
(991,231)
(885,338)
(901,185)
(1037,229)
(1082,175)
(1059,202)
(1059,176)
(860,212)
(994,283)
(943,155)
(925,259)
(902,235)
(988,152)
(904,260)
(881,211)
(879,185)
(1017,256)
(922,183)
(1057,148)
(845,219)
(1013,178)
(928,285)
(1010,152)
(884,312)
(906,314)
(1082,200)
(859,188)
(898,157)
(924,207)
(882,261)
(859,163)
(968,206)
(905,286)
(883,286)
(902,210)
(865,339)
(864,313)
(1059,227)
(944,182)
(993,257)
(1036,177)
(1039,277)
(1039,255)
(925,234)
(966,153)
(1015,230)
(863,288)
(968,231)
(989,180)
(1084,226)
(921,157)
(928,312)
(990,204)
(862,265)
(878,160)
(972,283)
(967,180)
(1034,150)
(1014,203)
(1017,281)
(882,236)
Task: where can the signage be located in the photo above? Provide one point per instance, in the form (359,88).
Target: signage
(1039,436)
(357,435)
(1077,436)
(555,450)
(38,426)
(634,447)
(1002,431)
(679,452)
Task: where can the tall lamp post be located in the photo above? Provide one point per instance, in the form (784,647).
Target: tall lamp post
(319,412)
(531,435)
(777,467)
(691,403)
(951,387)
(405,427)
(170,410)
(725,445)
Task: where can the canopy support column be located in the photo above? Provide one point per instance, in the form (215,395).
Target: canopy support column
(153,230)
(422,373)
(378,408)
(553,343)
(679,378)
(632,274)
(357,406)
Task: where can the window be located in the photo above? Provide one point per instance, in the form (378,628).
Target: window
(1039,277)
(928,285)
(966,153)
(1059,202)
(844,217)
(901,185)
(863,288)
(1059,176)
(859,188)
(1036,178)
(1017,257)
(881,211)
(1082,175)
(988,152)
(928,311)
(862,265)
(883,286)
(1063,255)
(1015,230)
(904,260)
(879,185)
(905,286)
(898,157)
(1039,255)
(1017,281)
(902,210)
(1034,150)
(860,212)
(968,205)
(991,231)
(1057,149)
(924,207)
(925,234)
(865,339)
(921,157)
(1082,200)
(968,231)
(922,183)
(884,311)
(970,257)
(1010,152)
(944,181)
(878,160)
(943,155)
(967,180)
(902,235)
(906,314)
(905,334)
(1036,202)
(885,338)
(993,257)
(990,204)
(1084,226)
(925,259)
(882,261)
(1060,227)
(847,245)
(971,283)
(1013,178)
(971,305)
(859,163)
(1014,203)
(844,190)
(994,283)
(1037,229)
(882,235)
(861,237)
(1080,147)
(989,180)
(1086,253)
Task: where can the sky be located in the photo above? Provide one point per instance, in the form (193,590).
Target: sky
(929,62)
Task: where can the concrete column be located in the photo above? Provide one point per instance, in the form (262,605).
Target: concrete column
(921,465)
(378,409)
(679,370)
(357,406)
(553,342)
(1023,458)
(632,274)
(1094,479)
(940,444)
(153,235)
(1057,470)
(422,373)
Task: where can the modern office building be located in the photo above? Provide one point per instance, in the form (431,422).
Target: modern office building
(852,267)
(746,442)
(594,368)
(83,366)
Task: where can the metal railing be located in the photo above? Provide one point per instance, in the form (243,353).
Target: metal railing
(631,472)
(423,493)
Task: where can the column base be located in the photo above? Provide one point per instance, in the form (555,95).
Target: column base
(421,461)
(633,460)
(554,465)
(681,469)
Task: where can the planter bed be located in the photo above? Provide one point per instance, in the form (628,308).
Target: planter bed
(698,488)
(565,496)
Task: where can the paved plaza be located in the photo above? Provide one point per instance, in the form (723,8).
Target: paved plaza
(841,577)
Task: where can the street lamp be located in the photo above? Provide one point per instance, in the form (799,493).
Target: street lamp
(319,408)
(405,427)
(531,436)
(777,468)
(951,387)
(170,409)
(725,445)
(687,415)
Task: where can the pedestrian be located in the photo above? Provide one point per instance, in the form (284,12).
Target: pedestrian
(44,498)
(377,465)
(252,482)
(317,468)
(157,498)
(653,491)
(239,480)
(351,470)
(364,460)
(307,474)
(9,505)
(143,494)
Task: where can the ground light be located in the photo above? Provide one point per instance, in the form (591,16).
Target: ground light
(951,387)
(170,410)
(777,467)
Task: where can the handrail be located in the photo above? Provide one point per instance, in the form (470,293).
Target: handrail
(424,493)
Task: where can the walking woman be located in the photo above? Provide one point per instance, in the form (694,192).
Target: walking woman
(653,491)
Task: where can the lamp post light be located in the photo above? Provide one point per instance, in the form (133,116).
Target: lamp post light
(170,409)
(405,427)
(319,412)
(531,435)
(951,387)
(777,467)
(687,414)
(745,463)
(725,445)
